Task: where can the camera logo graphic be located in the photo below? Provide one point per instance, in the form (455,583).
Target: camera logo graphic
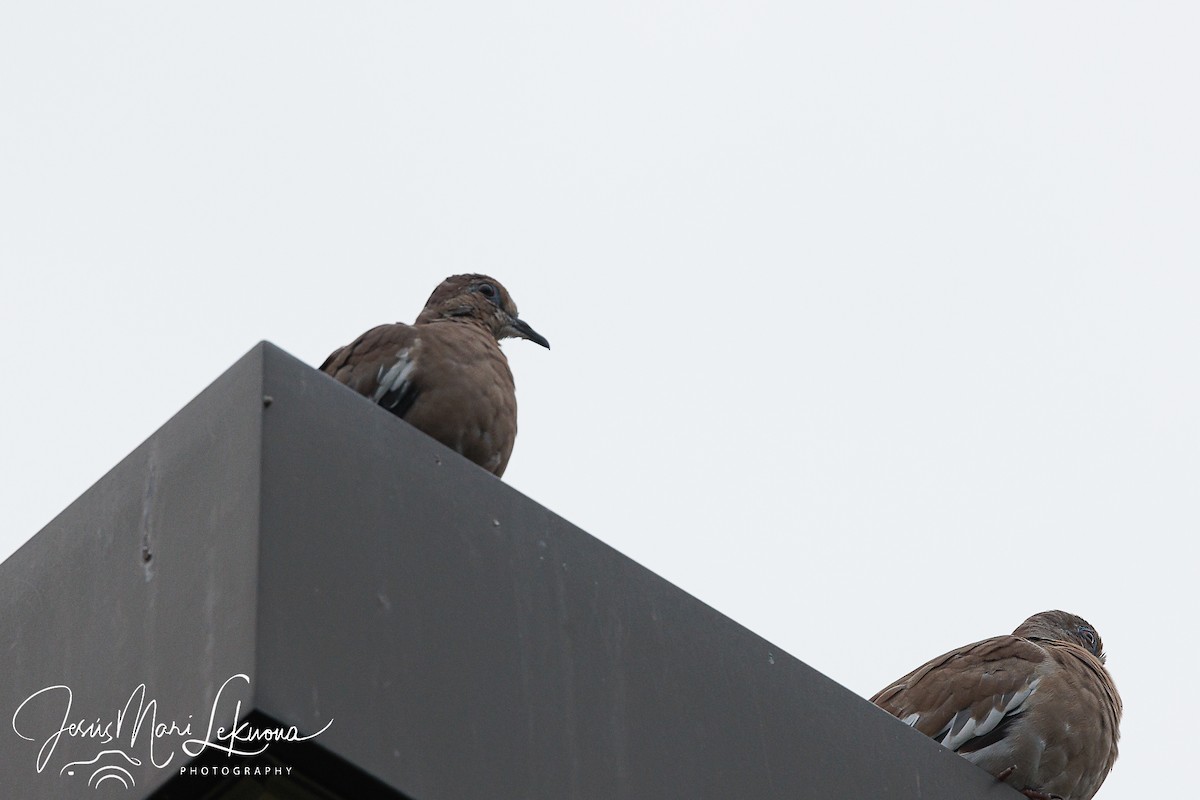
(105,772)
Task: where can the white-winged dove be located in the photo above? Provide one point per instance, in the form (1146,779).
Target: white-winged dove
(1037,709)
(445,373)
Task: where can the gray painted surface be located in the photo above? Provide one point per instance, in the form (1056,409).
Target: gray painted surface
(466,642)
(148,578)
(471,644)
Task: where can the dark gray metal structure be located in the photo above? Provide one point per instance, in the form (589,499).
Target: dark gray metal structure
(464,641)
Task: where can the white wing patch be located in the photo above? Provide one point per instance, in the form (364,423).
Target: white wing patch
(912,719)
(393,378)
(963,727)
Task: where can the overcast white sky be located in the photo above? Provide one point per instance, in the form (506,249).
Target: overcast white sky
(874,324)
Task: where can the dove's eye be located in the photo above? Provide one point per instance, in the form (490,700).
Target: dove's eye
(1089,638)
(488,291)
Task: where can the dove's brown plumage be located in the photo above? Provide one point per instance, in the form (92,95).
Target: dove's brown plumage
(1037,709)
(445,374)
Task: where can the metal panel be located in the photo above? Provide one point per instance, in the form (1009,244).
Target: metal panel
(149,577)
(468,643)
